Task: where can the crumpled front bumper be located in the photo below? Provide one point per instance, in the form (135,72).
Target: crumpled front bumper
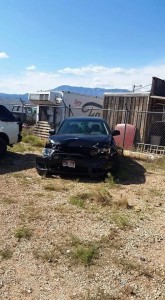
(83,164)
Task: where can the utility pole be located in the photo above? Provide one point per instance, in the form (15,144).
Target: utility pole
(136,86)
(22,109)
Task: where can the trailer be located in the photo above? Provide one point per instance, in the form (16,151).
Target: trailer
(54,106)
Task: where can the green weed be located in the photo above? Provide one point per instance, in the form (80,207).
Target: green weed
(33,140)
(23,233)
(120,220)
(20,147)
(80,199)
(85,253)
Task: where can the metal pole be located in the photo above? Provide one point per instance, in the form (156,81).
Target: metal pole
(22,110)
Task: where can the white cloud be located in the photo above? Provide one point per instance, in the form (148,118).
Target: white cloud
(87,76)
(31,68)
(3,55)
(99,76)
(82,71)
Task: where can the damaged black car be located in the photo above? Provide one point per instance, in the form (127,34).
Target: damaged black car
(82,145)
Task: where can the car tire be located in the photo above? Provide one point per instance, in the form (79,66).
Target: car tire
(3,147)
(42,173)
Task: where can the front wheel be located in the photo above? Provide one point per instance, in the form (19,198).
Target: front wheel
(42,173)
(3,147)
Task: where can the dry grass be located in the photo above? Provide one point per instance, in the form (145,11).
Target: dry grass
(61,242)
(121,220)
(51,255)
(6,253)
(80,199)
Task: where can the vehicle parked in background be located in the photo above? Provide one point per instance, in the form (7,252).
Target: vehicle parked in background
(82,145)
(55,106)
(25,113)
(10,130)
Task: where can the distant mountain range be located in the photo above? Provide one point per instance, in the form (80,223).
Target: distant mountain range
(88,91)
(10,97)
(78,90)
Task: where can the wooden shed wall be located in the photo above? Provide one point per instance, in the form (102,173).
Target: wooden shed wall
(118,109)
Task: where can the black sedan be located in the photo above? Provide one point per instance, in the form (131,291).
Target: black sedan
(82,145)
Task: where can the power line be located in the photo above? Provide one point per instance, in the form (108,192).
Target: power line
(142,87)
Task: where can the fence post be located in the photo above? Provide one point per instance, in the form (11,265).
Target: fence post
(125,127)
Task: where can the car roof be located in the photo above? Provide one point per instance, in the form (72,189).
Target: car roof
(85,119)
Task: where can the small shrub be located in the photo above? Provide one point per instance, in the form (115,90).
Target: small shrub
(110,181)
(80,199)
(102,197)
(6,253)
(121,220)
(76,201)
(22,232)
(85,253)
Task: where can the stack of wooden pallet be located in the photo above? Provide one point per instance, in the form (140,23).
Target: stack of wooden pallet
(42,129)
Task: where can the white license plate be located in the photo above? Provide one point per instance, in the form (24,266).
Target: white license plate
(68,163)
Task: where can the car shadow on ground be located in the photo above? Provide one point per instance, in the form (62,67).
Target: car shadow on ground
(131,172)
(15,162)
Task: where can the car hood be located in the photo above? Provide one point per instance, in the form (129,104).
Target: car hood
(81,140)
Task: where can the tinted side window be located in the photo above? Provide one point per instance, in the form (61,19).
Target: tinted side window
(6,115)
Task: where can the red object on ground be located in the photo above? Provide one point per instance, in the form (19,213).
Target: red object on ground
(127,134)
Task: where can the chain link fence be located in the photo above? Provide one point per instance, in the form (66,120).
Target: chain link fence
(147,131)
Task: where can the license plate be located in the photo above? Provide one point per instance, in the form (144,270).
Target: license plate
(68,163)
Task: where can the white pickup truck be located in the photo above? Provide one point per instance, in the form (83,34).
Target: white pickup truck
(10,130)
(25,113)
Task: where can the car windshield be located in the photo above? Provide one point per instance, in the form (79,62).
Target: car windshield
(94,127)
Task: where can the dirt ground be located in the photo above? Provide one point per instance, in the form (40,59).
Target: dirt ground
(80,238)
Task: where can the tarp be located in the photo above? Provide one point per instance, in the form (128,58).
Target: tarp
(127,134)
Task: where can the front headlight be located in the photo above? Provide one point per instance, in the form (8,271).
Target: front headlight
(47,151)
(104,150)
(100,150)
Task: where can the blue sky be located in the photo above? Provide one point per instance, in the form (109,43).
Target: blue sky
(92,43)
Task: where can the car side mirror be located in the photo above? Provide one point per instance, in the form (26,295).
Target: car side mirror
(116,132)
(52,131)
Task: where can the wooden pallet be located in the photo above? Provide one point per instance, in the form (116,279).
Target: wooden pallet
(42,129)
